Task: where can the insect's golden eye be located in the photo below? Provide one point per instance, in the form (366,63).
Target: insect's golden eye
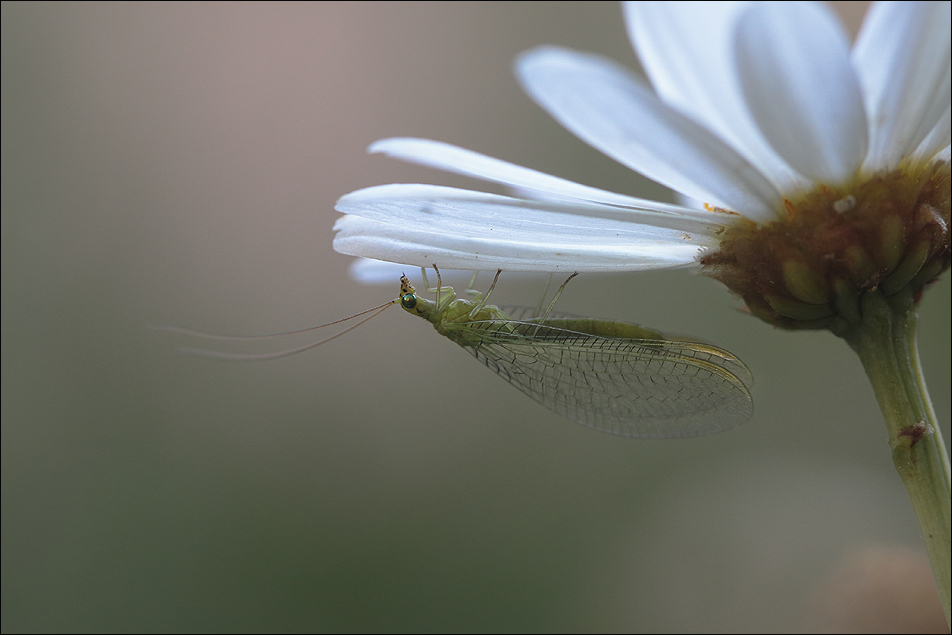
(408,301)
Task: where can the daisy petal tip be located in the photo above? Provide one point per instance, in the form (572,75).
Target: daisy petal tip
(390,145)
(370,271)
(383,146)
(541,56)
(377,146)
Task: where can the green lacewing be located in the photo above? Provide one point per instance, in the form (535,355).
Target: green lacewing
(613,376)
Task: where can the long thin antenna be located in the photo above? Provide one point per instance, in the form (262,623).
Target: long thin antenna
(215,336)
(251,357)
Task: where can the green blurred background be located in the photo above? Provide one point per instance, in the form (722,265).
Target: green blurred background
(180,163)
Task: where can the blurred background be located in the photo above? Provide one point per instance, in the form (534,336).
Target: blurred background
(179,163)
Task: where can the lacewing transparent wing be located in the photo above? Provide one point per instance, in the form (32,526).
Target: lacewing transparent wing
(612,376)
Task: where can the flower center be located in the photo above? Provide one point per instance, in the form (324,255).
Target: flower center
(887,232)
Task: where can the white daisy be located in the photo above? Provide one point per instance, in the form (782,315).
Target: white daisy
(824,172)
(759,110)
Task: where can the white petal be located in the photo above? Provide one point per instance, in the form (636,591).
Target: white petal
(945,154)
(370,271)
(372,201)
(686,49)
(605,106)
(531,183)
(939,137)
(793,62)
(902,57)
(362,237)
(425,225)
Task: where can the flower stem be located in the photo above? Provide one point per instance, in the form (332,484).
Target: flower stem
(885,340)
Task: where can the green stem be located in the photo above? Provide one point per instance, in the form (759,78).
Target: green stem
(885,340)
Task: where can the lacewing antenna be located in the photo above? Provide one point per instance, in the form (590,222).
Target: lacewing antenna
(257,357)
